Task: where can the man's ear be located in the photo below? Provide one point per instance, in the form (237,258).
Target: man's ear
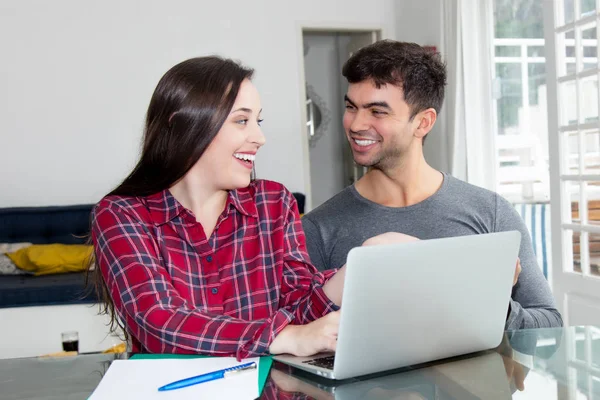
(426,120)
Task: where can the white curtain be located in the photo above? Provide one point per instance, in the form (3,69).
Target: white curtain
(470,114)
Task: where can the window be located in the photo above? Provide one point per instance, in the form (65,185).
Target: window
(579,134)
(520,96)
(574,148)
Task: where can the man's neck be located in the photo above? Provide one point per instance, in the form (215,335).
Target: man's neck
(409,183)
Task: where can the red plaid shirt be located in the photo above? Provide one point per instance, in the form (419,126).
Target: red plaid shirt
(231,294)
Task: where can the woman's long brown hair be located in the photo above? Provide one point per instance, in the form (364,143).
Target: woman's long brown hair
(188,108)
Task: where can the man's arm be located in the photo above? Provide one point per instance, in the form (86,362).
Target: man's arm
(532,304)
(314,244)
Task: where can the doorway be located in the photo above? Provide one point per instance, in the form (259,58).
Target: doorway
(331,167)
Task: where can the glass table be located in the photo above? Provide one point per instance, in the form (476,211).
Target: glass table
(530,364)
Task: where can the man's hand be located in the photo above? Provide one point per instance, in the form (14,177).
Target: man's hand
(517,271)
(389,238)
(334,287)
(307,340)
(514,372)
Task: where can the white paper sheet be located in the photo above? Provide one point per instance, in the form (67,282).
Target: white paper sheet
(140,379)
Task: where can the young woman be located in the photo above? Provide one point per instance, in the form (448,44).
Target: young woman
(195,257)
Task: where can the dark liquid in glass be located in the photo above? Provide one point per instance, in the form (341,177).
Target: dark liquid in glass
(71,345)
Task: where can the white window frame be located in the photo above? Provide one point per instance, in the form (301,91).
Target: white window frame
(569,287)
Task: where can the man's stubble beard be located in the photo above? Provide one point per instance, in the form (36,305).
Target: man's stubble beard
(387,160)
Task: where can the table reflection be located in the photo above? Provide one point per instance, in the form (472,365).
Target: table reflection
(528,364)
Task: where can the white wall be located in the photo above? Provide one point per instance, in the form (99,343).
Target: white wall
(35,331)
(76,78)
(422,22)
(322,69)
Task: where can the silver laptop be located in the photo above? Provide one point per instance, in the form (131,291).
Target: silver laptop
(411,303)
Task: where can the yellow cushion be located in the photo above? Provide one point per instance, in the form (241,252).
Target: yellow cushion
(44,259)
(119,348)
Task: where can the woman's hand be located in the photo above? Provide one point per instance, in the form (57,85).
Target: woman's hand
(307,340)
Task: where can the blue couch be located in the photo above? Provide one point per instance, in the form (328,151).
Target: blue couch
(42,225)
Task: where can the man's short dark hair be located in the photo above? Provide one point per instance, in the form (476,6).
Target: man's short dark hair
(419,71)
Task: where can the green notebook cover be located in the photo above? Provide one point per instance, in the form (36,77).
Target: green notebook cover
(264,364)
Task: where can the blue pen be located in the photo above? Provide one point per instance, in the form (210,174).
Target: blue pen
(211,376)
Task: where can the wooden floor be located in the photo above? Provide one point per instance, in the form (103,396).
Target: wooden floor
(593,219)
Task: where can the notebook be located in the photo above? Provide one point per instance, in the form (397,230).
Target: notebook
(142,375)
(264,364)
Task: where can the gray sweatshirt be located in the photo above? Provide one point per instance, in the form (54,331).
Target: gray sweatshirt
(456,209)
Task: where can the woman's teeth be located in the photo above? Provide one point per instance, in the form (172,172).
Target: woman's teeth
(245,157)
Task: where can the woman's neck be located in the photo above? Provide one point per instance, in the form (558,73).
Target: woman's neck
(204,202)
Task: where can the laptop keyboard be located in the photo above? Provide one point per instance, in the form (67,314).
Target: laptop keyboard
(323,362)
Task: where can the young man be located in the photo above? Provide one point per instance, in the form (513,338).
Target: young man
(395,93)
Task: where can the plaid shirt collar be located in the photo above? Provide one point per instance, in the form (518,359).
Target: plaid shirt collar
(164,207)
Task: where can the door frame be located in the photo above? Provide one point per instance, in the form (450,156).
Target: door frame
(301,27)
(563,280)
